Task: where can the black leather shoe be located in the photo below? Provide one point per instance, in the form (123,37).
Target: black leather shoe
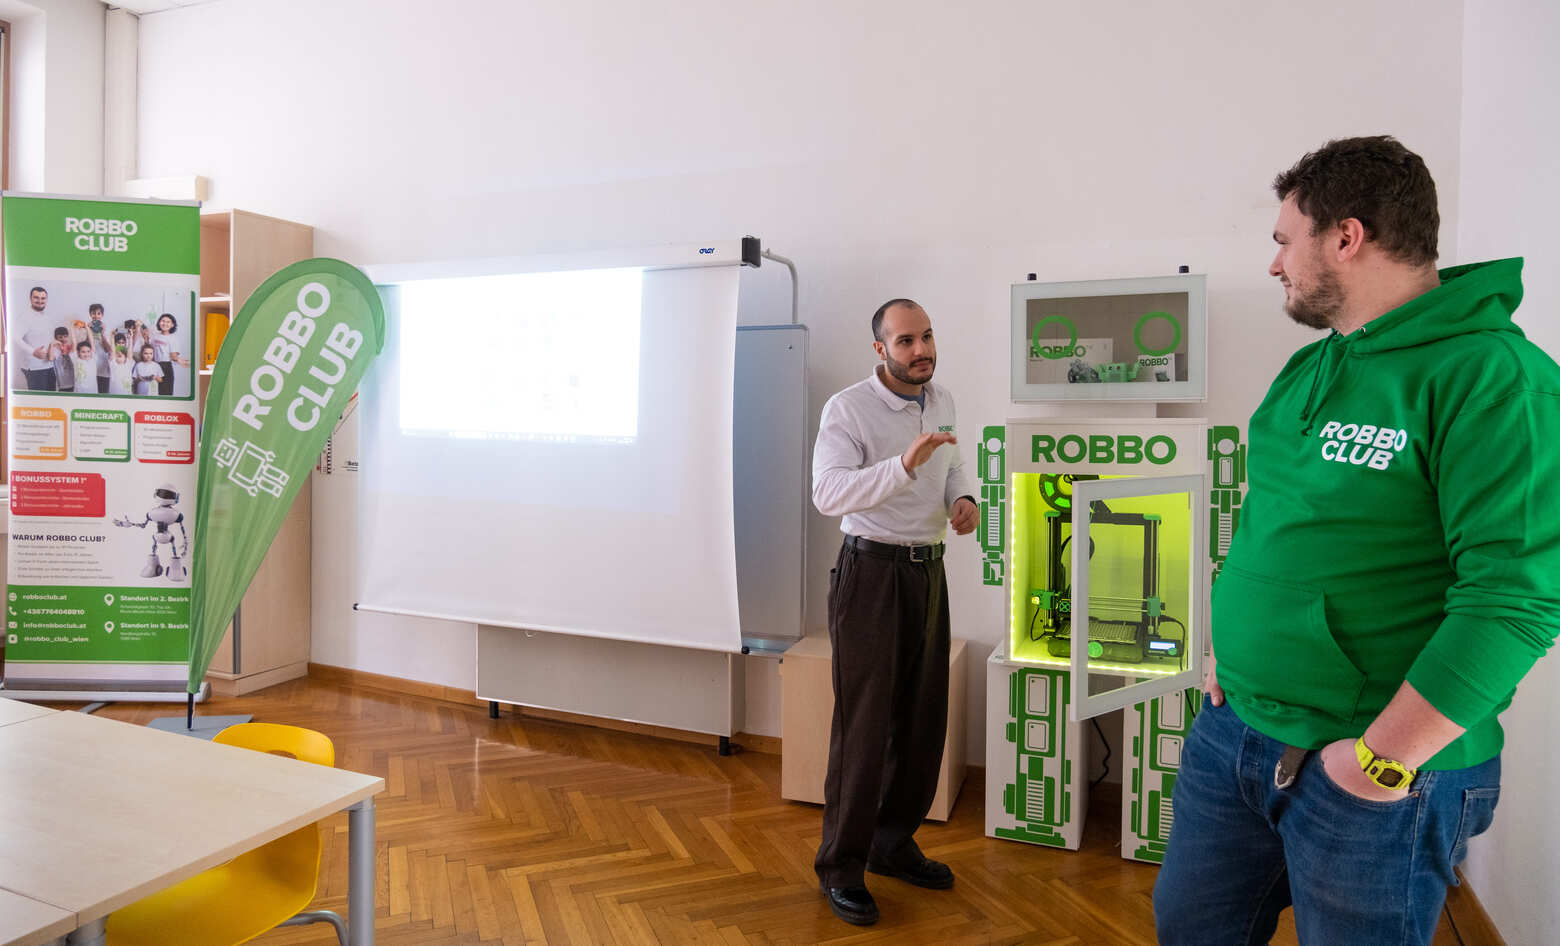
(852,904)
(933,875)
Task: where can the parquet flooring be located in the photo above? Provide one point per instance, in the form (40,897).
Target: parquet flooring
(524,831)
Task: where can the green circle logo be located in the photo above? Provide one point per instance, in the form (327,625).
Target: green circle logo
(1060,351)
(1137,333)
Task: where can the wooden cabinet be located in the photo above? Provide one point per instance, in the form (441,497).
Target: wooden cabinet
(807,712)
(268,641)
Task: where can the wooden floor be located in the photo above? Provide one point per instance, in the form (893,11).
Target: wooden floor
(527,831)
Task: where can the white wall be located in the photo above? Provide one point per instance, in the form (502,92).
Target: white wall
(1510,195)
(891,148)
(56,95)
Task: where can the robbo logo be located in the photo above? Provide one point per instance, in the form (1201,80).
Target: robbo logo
(94,234)
(1362,444)
(1097,448)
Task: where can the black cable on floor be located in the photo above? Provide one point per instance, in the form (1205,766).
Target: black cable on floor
(1105,761)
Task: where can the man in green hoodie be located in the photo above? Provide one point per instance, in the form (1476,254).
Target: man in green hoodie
(1396,573)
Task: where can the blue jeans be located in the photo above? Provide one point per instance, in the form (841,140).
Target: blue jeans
(1356,871)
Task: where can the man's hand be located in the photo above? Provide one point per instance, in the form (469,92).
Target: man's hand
(1210,685)
(963,516)
(1410,730)
(1343,767)
(921,449)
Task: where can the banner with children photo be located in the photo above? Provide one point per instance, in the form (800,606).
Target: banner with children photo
(102,416)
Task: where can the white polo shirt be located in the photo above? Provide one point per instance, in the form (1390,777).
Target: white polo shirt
(35,330)
(857,472)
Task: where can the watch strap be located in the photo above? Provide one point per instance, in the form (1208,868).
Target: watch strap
(1388,773)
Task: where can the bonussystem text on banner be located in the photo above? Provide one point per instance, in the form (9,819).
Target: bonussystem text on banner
(292,361)
(102,417)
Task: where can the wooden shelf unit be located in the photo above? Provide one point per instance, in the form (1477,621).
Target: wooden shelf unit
(268,641)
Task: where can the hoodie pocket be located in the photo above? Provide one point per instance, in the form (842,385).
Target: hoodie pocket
(1275,649)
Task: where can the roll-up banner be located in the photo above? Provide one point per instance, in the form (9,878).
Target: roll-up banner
(102,418)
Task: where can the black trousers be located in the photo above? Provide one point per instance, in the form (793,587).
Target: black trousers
(888,622)
(165,385)
(41,379)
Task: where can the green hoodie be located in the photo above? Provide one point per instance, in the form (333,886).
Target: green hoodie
(1403,522)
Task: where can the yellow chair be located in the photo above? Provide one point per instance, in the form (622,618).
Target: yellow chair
(254,892)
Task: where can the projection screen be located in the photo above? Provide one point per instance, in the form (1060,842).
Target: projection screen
(546,444)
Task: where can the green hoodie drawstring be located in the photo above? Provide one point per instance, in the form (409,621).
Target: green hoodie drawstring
(1311,403)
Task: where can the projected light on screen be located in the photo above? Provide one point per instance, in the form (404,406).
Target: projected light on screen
(533,356)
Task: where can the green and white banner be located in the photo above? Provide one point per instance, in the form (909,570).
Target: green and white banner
(102,419)
(292,361)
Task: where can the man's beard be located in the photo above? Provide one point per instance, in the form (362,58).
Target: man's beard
(1318,307)
(901,372)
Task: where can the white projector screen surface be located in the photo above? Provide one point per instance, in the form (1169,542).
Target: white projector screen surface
(553,451)
(558,356)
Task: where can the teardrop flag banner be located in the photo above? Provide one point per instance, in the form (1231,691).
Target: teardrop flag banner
(287,369)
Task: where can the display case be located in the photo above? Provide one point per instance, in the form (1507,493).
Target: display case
(1140,339)
(1106,551)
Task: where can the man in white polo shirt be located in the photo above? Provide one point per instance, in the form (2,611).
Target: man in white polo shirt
(886,461)
(34,334)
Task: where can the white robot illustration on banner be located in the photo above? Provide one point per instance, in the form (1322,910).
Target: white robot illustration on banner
(164,517)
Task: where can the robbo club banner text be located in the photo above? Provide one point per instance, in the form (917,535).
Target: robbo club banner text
(102,416)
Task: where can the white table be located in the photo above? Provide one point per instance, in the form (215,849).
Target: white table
(13,712)
(99,814)
(27,922)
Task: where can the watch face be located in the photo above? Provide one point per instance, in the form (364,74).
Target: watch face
(1389,778)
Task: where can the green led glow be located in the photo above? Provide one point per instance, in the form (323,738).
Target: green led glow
(1116,668)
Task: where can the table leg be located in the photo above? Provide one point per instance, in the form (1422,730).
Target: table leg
(92,934)
(360,874)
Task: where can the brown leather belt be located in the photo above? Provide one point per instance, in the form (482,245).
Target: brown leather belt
(1288,766)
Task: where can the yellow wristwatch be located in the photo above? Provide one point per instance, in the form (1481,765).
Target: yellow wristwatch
(1393,776)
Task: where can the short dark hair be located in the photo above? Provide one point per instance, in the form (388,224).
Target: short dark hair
(1378,182)
(61,331)
(877,317)
(37,289)
(95,307)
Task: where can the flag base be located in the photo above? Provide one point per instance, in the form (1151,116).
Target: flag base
(206,727)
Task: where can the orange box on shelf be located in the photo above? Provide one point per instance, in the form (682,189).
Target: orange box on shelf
(214,331)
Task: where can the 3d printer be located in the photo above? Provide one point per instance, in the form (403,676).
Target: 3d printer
(1127,627)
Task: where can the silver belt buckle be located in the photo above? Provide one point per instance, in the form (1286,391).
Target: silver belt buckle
(913,556)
